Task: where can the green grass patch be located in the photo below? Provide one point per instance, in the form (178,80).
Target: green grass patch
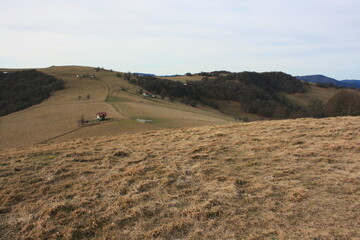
(116,99)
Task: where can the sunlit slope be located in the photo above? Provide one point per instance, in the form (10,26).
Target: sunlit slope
(305,100)
(56,119)
(289,179)
(58,114)
(314,92)
(100,90)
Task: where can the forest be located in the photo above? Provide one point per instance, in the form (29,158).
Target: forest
(22,89)
(257,92)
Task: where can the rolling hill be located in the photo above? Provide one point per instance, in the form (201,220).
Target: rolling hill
(21,89)
(56,118)
(192,173)
(285,179)
(88,90)
(326,80)
(256,93)
(352,83)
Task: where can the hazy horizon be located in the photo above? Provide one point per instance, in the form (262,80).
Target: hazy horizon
(165,37)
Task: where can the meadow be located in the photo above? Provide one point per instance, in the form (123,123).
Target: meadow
(283,179)
(56,118)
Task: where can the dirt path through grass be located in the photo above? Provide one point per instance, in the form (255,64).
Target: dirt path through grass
(58,115)
(108,88)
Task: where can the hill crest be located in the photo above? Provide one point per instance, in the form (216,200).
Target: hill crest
(327,80)
(213,98)
(260,180)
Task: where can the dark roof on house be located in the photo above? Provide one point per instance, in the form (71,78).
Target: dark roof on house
(100,114)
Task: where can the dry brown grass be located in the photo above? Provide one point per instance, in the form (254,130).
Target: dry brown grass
(168,114)
(289,179)
(313,92)
(56,119)
(185,78)
(59,114)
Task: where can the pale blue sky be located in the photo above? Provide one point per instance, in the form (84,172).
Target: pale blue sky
(169,37)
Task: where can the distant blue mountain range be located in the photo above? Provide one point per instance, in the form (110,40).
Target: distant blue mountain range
(154,75)
(144,74)
(325,80)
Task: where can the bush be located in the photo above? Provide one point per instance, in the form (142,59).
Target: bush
(172,99)
(81,122)
(163,94)
(316,108)
(193,103)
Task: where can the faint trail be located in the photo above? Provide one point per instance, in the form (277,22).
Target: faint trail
(107,87)
(108,94)
(61,135)
(77,129)
(71,131)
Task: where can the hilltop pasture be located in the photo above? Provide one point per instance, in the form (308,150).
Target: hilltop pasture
(56,118)
(285,179)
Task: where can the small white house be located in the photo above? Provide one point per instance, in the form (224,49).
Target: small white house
(101,116)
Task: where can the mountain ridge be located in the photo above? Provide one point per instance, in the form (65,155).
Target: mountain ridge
(322,79)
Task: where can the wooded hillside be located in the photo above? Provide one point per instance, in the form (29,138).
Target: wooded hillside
(257,92)
(21,89)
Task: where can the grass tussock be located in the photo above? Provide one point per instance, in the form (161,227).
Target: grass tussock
(290,179)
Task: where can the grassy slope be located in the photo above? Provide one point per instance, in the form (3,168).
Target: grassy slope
(289,179)
(59,113)
(132,106)
(314,92)
(56,118)
(302,99)
(174,114)
(185,78)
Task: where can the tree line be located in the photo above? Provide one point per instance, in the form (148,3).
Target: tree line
(21,89)
(258,93)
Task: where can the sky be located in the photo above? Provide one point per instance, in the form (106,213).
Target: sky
(175,37)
